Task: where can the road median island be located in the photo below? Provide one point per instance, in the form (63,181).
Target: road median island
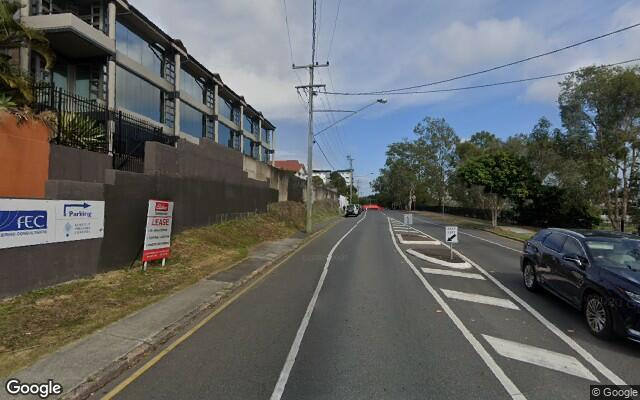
(62,319)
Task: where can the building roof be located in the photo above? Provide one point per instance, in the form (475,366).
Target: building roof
(289,165)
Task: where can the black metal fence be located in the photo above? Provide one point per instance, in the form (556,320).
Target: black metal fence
(86,124)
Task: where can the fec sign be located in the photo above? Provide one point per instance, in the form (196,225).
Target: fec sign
(157,239)
(31,222)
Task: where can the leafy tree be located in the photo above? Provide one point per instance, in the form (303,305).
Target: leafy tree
(435,152)
(502,176)
(14,35)
(604,103)
(317,181)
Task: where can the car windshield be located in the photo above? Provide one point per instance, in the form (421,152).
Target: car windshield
(618,253)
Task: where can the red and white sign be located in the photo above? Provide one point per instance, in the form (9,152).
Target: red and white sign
(157,239)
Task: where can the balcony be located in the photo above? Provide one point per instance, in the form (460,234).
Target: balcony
(70,36)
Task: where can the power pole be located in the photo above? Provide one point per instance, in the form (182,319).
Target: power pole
(310,141)
(350,159)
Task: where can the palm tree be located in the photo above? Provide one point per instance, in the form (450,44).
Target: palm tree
(14,35)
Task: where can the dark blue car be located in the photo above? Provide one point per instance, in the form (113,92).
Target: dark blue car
(596,272)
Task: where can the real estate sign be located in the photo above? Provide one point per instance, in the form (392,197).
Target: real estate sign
(157,239)
(26,222)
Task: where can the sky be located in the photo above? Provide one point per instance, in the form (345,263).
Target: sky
(380,44)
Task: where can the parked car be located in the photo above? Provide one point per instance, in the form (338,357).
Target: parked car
(351,210)
(596,272)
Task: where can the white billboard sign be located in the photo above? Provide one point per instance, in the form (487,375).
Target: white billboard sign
(157,238)
(26,222)
(451,234)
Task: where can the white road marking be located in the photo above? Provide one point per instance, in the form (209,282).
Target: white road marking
(295,347)
(506,382)
(610,375)
(427,242)
(540,357)
(457,274)
(476,237)
(479,298)
(433,260)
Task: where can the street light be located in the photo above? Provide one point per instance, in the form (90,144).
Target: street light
(352,113)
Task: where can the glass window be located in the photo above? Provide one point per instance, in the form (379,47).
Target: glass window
(138,95)
(190,120)
(60,76)
(190,85)
(138,49)
(615,253)
(225,135)
(83,80)
(555,241)
(247,146)
(225,108)
(571,246)
(248,124)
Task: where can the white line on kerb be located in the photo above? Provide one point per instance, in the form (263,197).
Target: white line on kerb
(506,382)
(615,379)
(295,347)
(479,298)
(540,357)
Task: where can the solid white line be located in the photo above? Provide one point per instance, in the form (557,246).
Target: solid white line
(474,236)
(540,357)
(478,298)
(427,242)
(615,379)
(457,274)
(295,347)
(506,382)
(462,265)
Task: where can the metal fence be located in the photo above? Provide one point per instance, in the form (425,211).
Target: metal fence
(89,125)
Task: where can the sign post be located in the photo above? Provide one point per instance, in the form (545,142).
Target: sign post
(408,219)
(451,237)
(157,238)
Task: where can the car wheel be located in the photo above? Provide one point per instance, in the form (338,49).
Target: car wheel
(529,277)
(598,316)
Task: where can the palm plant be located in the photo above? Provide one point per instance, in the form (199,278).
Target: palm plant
(81,131)
(14,35)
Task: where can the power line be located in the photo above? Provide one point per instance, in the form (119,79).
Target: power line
(286,22)
(498,83)
(333,33)
(325,156)
(390,91)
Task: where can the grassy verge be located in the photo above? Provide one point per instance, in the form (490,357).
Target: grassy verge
(475,223)
(41,321)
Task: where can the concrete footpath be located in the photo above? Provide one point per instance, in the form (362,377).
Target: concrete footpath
(84,366)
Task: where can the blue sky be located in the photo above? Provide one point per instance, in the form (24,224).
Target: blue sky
(381,44)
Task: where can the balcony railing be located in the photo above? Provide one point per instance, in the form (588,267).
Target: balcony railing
(89,125)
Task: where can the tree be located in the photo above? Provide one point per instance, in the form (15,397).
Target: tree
(502,176)
(604,103)
(435,151)
(317,181)
(14,35)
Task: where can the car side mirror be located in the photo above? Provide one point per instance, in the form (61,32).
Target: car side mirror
(576,259)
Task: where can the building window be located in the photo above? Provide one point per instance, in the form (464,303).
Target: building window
(209,127)
(247,146)
(138,49)
(169,111)
(248,124)
(225,108)
(190,85)
(225,135)
(138,95)
(169,70)
(210,98)
(191,120)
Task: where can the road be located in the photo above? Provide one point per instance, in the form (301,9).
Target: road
(353,315)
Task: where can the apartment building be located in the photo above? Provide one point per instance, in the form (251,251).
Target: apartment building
(109,52)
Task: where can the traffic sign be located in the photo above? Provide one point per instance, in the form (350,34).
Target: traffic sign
(451,234)
(408,219)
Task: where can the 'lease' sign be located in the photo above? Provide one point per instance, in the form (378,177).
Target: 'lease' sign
(157,239)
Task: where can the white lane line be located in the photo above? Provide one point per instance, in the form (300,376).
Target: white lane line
(295,347)
(506,382)
(433,260)
(479,298)
(474,236)
(600,367)
(457,274)
(540,357)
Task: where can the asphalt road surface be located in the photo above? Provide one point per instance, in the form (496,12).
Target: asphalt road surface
(359,313)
